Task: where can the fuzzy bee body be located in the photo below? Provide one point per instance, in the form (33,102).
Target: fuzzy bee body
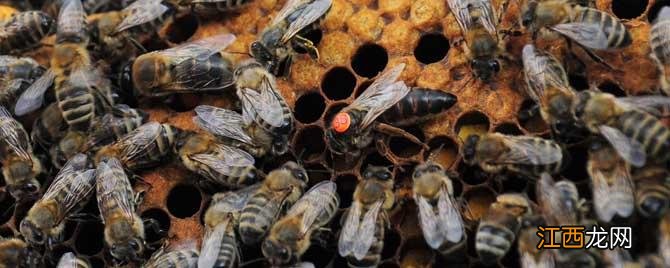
(652,191)
(659,40)
(499,227)
(14,252)
(142,147)
(79,98)
(649,132)
(49,127)
(16,74)
(418,105)
(24,31)
(615,32)
(19,165)
(374,254)
(183,258)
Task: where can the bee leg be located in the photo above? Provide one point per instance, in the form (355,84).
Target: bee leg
(307,45)
(137,44)
(154,225)
(394,131)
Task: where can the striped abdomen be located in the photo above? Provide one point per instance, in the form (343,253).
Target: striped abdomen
(287,119)
(648,131)
(257,217)
(209,6)
(659,40)
(76,103)
(616,33)
(160,148)
(537,170)
(24,31)
(187,258)
(374,255)
(493,240)
(194,74)
(241,175)
(227,256)
(111,128)
(652,196)
(418,105)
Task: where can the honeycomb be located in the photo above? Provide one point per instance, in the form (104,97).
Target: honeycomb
(357,40)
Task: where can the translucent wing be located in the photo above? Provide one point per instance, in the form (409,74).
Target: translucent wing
(611,185)
(14,135)
(551,202)
(383,93)
(265,104)
(588,34)
(221,122)
(32,98)
(366,231)
(113,187)
(137,142)
(211,245)
(233,201)
(310,13)
(345,245)
(529,261)
(461,10)
(225,160)
(650,104)
(529,150)
(289,8)
(451,225)
(629,149)
(76,179)
(317,205)
(71,18)
(429,222)
(201,49)
(542,71)
(68,260)
(140,12)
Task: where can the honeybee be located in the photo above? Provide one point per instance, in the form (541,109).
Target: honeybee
(263,104)
(219,246)
(664,242)
(659,41)
(218,163)
(193,67)
(529,156)
(419,105)
(67,194)
(69,260)
(16,74)
(499,227)
(24,31)
(49,127)
(362,236)
(281,188)
(124,229)
(531,256)
(290,237)
(213,6)
(14,252)
(274,48)
(351,129)
(144,16)
(611,182)
(19,165)
(142,147)
(120,121)
(182,256)
(627,123)
(652,191)
(439,213)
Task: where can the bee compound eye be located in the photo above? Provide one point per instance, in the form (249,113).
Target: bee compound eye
(341,122)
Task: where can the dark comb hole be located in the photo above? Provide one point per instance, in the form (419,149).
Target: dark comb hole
(513,184)
(531,122)
(182,28)
(578,82)
(309,107)
(338,83)
(512,258)
(6,232)
(6,207)
(163,220)
(473,122)
(472,175)
(331,111)
(184,201)
(346,184)
(389,264)
(416,253)
(96,262)
(508,129)
(448,150)
(369,60)
(375,159)
(392,242)
(317,173)
(318,255)
(530,191)
(575,164)
(309,143)
(653,11)
(403,147)
(21,210)
(627,9)
(2,181)
(314,35)
(89,240)
(431,48)
(70,228)
(479,199)
(273,163)
(612,88)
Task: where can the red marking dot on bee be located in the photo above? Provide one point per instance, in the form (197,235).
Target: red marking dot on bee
(341,122)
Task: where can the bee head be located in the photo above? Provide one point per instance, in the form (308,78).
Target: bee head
(24,191)
(263,55)
(147,73)
(31,233)
(470,148)
(127,250)
(485,68)
(280,146)
(428,167)
(277,253)
(653,206)
(377,172)
(296,170)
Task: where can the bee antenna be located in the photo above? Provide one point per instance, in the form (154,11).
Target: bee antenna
(251,261)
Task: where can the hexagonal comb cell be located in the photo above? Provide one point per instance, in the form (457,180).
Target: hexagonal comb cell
(309,107)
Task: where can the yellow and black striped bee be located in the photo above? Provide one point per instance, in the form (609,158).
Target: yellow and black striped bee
(499,227)
(291,236)
(478,22)
(145,146)
(628,124)
(20,166)
(274,48)
(73,186)
(439,213)
(124,229)
(611,182)
(652,191)
(24,31)
(210,7)
(219,245)
(219,163)
(281,188)
(529,156)
(659,41)
(181,256)
(362,237)
(69,260)
(192,67)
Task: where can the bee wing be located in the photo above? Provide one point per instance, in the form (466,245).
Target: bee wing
(588,34)
(201,49)
(461,10)
(529,261)
(345,245)
(211,245)
(429,222)
(234,201)
(366,232)
(71,17)
(450,221)
(310,13)
(76,179)
(137,141)
(629,149)
(315,203)
(541,72)
(232,157)
(68,260)
(222,123)
(525,150)
(650,104)
(113,187)
(612,184)
(550,200)
(266,104)
(32,98)
(140,12)
(14,135)
(383,93)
